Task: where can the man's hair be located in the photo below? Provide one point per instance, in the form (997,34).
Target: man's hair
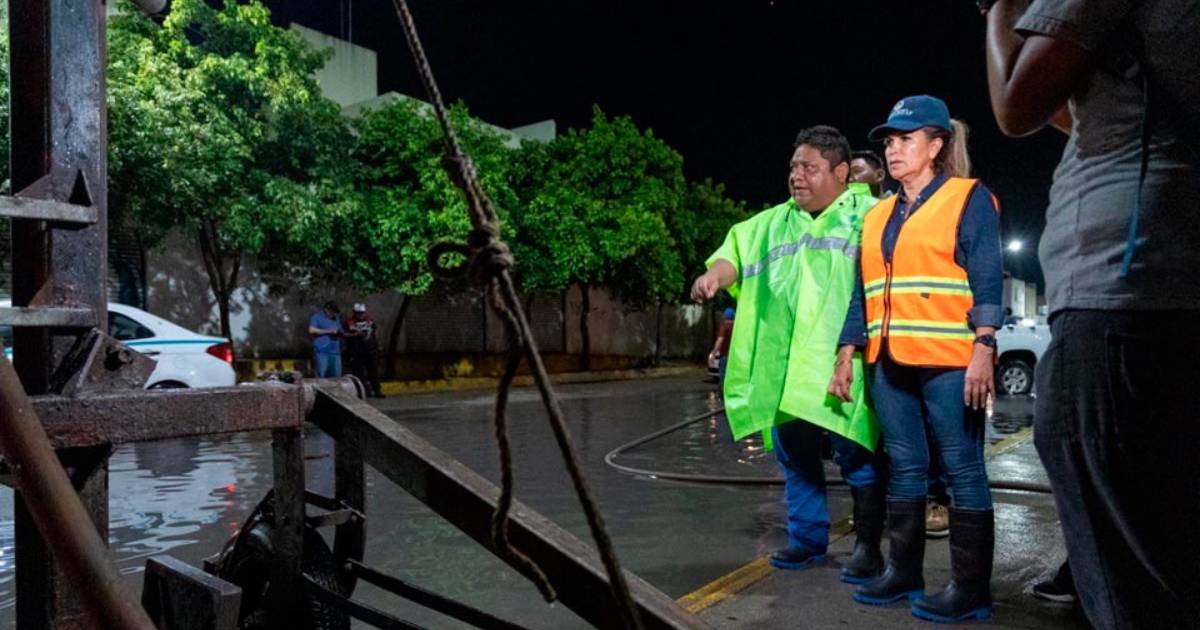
(868,156)
(828,141)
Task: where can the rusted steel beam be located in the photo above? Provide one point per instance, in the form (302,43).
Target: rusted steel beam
(143,415)
(46,210)
(287,534)
(61,519)
(468,501)
(433,601)
(48,317)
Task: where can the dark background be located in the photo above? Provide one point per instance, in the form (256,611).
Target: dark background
(728,85)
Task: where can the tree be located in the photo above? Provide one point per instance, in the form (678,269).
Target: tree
(700,226)
(217,127)
(407,203)
(593,212)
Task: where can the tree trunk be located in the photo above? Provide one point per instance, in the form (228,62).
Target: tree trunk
(221,282)
(585,352)
(394,338)
(658,333)
(562,312)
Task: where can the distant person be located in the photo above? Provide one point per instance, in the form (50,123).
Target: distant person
(720,350)
(926,310)
(1116,423)
(792,270)
(325,327)
(867,168)
(363,343)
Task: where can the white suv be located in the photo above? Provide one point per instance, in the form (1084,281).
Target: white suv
(1021,345)
(185,359)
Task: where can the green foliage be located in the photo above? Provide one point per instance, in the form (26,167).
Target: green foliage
(594,210)
(700,226)
(408,203)
(217,123)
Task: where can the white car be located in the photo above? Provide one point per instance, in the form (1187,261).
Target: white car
(185,359)
(1020,345)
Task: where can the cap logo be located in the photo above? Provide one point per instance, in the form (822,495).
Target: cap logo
(901,110)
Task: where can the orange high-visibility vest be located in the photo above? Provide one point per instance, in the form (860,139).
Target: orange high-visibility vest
(919,302)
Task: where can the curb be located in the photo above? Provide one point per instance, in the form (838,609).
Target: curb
(400,388)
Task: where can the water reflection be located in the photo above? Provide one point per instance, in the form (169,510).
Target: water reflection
(164,496)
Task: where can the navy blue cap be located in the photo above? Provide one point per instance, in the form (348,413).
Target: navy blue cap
(914,112)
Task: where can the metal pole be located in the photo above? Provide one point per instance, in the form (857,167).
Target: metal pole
(58,512)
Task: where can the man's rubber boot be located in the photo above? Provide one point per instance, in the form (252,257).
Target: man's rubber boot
(866,563)
(904,575)
(794,558)
(968,595)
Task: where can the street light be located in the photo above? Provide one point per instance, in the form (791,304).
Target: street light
(1015,246)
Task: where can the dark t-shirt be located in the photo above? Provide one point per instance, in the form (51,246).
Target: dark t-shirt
(1096,191)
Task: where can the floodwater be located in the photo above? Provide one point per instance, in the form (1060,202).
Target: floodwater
(186,497)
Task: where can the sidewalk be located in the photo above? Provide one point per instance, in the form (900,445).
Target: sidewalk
(396,388)
(1028,546)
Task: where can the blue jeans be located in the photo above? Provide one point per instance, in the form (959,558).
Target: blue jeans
(329,365)
(909,399)
(798,449)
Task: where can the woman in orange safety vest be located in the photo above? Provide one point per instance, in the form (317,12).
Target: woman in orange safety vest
(925,315)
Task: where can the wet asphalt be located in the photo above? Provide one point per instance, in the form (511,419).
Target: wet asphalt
(185,497)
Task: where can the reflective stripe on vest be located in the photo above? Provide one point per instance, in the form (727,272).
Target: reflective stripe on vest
(919,301)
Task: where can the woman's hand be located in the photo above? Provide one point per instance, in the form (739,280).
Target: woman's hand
(980,383)
(843,374)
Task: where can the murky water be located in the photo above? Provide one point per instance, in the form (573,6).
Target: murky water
(185,497)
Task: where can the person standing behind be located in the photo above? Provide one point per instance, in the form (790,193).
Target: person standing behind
(1116,423)
(867,168)
(927,310)
(720,350)
(363,344)
(325,327)
(792,269)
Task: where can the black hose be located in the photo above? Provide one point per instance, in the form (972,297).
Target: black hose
(748,480)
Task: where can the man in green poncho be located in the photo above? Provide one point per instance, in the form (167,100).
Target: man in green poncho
(792,269)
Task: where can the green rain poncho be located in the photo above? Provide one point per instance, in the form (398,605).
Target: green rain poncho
(795,278)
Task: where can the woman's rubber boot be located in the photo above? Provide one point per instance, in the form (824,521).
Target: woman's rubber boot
(904,575)
(968,595)
(866,563)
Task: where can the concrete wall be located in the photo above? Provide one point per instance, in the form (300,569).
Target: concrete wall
(269,316)
(351,75)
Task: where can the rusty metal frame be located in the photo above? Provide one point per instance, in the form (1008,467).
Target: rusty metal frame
(75,393)
(468,501)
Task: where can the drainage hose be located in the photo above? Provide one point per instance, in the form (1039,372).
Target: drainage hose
(752,480)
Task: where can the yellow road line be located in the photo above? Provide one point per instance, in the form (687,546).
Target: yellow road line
(742,578)
(748,575)
(1009,443)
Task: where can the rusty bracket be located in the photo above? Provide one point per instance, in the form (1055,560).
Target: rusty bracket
(98,363)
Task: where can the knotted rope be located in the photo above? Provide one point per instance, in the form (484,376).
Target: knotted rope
(488,264)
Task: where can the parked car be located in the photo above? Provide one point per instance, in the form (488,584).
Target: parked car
(1020,345)
(184,358)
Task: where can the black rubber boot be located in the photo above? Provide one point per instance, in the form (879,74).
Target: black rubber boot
(794,559)
(904,576)
(968,595)
(866,563)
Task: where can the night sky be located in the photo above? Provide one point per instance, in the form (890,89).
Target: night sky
(727,87)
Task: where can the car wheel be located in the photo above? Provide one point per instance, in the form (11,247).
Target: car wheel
(1015,378)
